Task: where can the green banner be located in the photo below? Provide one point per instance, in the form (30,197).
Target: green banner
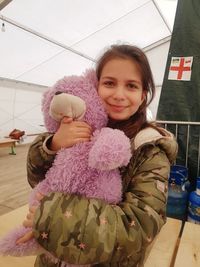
(180,95)
(180,99)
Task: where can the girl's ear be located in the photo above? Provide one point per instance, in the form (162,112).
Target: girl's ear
(144,95)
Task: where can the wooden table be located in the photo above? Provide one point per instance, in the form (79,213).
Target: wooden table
(188,254)
(163,249)
(8,142)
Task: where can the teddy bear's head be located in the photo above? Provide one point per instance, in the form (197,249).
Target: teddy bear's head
(77,97)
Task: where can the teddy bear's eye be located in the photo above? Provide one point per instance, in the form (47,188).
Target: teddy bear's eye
(58,93)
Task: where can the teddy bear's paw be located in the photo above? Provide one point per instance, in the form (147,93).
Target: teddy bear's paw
(8,246)
(111,150)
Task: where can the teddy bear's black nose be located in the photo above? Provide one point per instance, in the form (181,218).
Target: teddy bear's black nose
(58,93)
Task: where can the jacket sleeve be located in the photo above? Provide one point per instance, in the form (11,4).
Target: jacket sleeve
(89,231)
(39,159)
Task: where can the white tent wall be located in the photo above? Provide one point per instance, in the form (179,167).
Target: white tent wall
(158,59)
(21,108)
(46,40)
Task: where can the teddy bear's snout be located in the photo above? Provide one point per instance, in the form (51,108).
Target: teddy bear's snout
(58,93)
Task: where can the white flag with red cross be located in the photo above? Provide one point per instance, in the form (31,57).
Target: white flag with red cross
(180,68)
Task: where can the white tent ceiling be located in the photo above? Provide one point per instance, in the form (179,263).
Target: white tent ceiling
(45,40)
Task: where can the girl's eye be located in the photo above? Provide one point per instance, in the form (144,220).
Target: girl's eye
(109,83)
(132,86)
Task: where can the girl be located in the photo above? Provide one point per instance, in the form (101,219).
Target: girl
(97,233)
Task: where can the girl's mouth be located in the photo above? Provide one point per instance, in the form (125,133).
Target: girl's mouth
(116,108)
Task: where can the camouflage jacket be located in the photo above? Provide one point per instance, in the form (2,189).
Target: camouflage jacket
(85,231)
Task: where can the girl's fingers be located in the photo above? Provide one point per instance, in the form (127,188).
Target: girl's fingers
(39,196)
(82,124)
(25,238)
(66,120)
(83,134)
(29,216)
(32,209)
(79,140)
(28,223)
(86,127)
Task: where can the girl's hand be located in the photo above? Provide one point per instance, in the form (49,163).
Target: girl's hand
(28,236)
(70,133)
(28,222)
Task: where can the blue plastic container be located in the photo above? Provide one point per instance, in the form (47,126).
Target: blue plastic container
(194,204)
(177,196)
(184,171)
(180,168)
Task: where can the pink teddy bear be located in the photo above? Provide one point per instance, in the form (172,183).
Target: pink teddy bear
(87,168)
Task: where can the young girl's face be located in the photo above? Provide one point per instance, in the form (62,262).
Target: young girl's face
(120,87)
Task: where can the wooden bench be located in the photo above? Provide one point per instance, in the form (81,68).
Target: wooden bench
(163,249)
(8,142)
(188,254)
(160,255)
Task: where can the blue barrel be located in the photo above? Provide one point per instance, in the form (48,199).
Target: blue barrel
(194,204)
(184,171)
(177,196)
(180,168)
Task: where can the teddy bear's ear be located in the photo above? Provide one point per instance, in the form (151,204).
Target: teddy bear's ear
(50,124)
(90,75)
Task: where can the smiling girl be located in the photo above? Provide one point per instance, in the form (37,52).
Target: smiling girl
(125,84)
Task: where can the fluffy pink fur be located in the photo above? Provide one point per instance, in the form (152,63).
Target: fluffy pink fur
(89,168)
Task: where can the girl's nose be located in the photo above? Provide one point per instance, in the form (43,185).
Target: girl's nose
(119,93)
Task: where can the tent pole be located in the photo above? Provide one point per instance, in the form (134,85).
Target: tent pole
(44,37)
(160,13)
(156,44)
(11,83)
(4,3)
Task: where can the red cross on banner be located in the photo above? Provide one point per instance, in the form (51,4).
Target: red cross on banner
(180,68)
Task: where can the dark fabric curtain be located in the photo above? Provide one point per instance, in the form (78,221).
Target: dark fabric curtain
(180,99)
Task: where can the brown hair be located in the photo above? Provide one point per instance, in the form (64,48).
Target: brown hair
(138,120)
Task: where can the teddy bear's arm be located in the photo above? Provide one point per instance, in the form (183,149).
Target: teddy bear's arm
(111,149)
